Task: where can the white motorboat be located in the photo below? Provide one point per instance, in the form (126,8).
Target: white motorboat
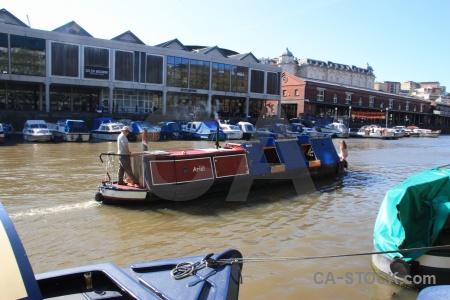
(429,133)
(36,131)
(343,131)
(71,131)
(295,129)
(107,131)
(327,130)
(248,129)
(403,131)
(376,131)
(233,132)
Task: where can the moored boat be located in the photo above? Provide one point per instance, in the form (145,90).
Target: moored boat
(36,131)
(415,214)
(376,131)
(182,175)
(209,276)
(106,129)
(232,132)
(203,131)
(295,129)
(342,130)
(70,130)
(429,133)
(2,133)
(248,129)
(138,128)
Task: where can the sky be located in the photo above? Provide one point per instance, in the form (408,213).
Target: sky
(402,40)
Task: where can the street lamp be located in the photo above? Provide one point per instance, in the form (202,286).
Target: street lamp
(387,112)
(335,114)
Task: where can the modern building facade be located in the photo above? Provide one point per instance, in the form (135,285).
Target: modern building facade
(69,70)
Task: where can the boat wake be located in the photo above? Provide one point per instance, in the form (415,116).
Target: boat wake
(55,209)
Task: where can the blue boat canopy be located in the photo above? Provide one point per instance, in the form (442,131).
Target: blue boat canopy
(413,213)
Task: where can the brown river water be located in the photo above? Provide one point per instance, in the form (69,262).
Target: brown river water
(48,190)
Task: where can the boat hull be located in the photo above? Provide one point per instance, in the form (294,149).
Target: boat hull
(105,136)
(38,137)
(72,137)
(427,270)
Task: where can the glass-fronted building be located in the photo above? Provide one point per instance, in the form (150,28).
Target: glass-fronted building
(68,70)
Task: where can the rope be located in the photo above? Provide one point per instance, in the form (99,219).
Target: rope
(186,269)
(269,259)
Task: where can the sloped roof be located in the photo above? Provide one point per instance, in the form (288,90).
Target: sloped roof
(128,37)
(72,28)
(211,50)
(173,44)
(245,56)
(10,19)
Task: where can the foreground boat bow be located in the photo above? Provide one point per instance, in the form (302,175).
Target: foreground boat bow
(207,277)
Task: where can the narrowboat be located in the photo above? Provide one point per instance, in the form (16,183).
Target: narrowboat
(235,168)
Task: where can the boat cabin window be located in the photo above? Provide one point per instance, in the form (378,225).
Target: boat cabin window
(308,152)
(271,155)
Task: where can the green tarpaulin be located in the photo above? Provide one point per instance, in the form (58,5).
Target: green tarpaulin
(413,213)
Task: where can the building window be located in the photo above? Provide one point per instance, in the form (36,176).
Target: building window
(199,74)
(154,69)
(221,80)
(421,107)
(65,59)
(391,103)
(348,98)
(320,94)
(407,105)
(273,83)
(360,102)
(381,105)
(335,98)
(177,71)
(96,63)
(399,106)
(257,81)
(371,101)
(296,92)
(4,69)
(124,66)
(239,79)
(27,56)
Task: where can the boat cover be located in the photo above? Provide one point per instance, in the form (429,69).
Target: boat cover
(413,213)
(76,126)
(207,128)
